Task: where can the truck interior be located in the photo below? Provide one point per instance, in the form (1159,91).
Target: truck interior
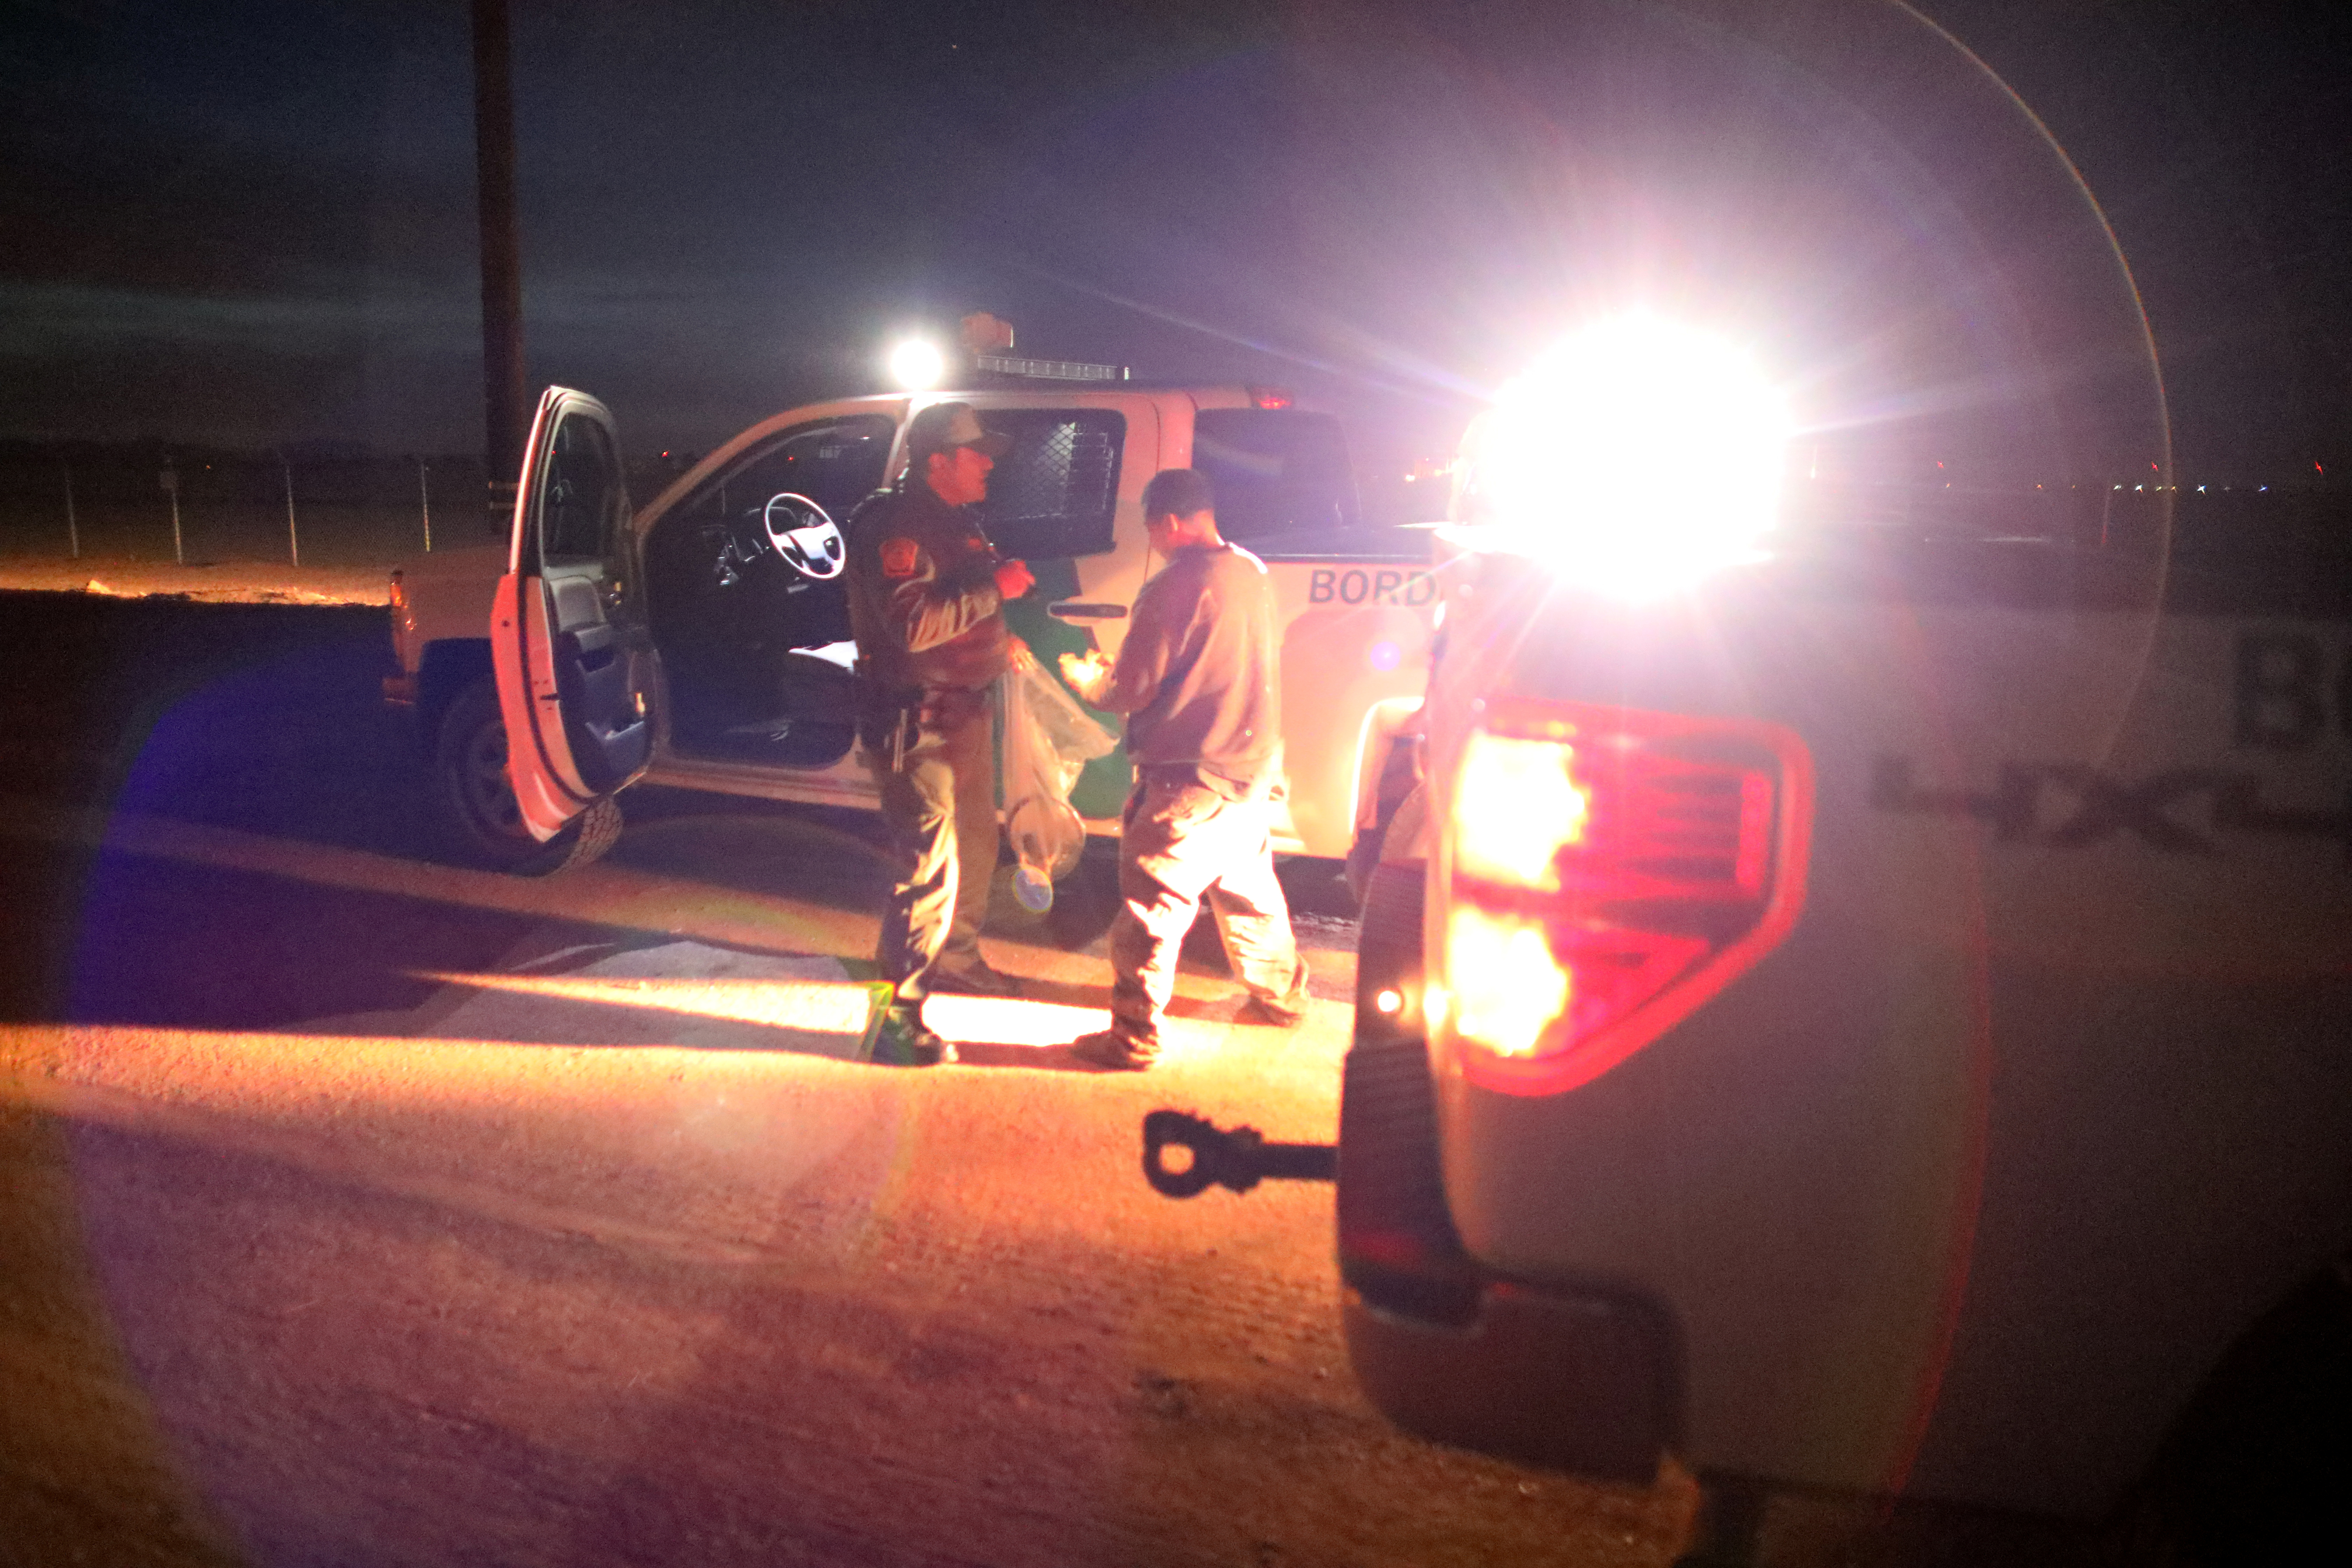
(746,600)
(745,593)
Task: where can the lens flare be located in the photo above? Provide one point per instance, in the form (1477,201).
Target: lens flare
(1635,457)
(918,363)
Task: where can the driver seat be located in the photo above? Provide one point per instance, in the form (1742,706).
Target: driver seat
(802,715)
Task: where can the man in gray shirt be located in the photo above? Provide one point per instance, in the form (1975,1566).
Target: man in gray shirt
(1196,678)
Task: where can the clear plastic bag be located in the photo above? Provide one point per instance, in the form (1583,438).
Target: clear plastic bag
(1048,742)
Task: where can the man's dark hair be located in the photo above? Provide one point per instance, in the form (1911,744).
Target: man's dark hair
(1182,492)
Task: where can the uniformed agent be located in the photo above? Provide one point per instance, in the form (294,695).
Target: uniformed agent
(927,592)
(1197,678)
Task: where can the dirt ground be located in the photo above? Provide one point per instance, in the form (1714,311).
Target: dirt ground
(218,582)
(356,1209)
(359,1210)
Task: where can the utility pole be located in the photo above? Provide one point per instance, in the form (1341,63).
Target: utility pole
(171,481)
(73,528)
(505,394)
(425,502)
(293,539)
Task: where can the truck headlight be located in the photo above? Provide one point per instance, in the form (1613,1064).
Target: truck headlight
(1633,457)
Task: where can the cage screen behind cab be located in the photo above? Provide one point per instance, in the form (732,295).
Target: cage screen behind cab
(1052,494)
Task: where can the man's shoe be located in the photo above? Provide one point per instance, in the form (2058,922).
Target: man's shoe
(901,1041)
(1109,1048)
(974,977)
(1281,1015)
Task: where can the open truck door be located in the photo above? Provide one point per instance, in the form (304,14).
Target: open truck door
(568,639)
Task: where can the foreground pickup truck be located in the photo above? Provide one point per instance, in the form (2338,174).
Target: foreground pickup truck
(704,641)
(1878,1023)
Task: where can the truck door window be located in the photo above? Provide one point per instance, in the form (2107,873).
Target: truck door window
(1276,471)
(718,583)
(581,498)
(1053,493)
(835,463)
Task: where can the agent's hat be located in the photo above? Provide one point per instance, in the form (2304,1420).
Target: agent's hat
(944,427)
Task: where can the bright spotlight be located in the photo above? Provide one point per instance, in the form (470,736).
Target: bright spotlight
(1634,456)
(918,363)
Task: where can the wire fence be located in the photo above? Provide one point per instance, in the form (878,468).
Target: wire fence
(195,505)
(152,501)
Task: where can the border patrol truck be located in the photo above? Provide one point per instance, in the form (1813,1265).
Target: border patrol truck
(703,641)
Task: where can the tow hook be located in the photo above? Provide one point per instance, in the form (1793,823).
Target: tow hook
(1240,1159)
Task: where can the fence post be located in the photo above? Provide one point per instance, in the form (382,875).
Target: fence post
(171,483)
(293,539)
(425,502)
(73,527)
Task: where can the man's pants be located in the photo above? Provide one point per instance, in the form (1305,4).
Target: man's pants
(940,807)
(1181,842)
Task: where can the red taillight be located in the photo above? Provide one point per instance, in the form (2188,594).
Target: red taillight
(1604,872)
(1269,397)
(403,623)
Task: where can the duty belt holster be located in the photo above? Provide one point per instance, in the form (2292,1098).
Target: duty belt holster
(893,723)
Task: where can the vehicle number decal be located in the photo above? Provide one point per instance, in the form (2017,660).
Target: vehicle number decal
(1353,586)
(2183,811)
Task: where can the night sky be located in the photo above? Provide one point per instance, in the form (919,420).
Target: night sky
(248,222)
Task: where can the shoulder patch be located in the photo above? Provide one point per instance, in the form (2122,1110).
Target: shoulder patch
(898,557)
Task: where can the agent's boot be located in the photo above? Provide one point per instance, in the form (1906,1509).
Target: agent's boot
(1121,1053)
(900,1038)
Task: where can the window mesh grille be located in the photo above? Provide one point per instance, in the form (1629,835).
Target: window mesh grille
(1052,494)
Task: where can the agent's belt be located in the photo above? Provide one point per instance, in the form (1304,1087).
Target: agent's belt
(893,721)
(934,705)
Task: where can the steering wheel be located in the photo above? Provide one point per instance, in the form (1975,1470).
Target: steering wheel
(805,535)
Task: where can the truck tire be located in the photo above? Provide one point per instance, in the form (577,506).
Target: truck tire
(474,810)
(1087,901)
(1400,775)
(2255,1469)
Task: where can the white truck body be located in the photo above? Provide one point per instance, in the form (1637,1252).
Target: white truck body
(1963,1187)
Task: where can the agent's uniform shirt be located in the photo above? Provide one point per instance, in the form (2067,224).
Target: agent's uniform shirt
(923,604)
(1197,677)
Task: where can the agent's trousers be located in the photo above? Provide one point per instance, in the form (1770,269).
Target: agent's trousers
(939,804)
(1183,842)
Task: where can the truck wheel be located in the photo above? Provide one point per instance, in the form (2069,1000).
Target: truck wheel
(2255,1469)
(1400,780)
(1087,901)
(474,807)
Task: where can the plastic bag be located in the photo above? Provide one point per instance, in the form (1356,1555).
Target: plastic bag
(1048,742)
